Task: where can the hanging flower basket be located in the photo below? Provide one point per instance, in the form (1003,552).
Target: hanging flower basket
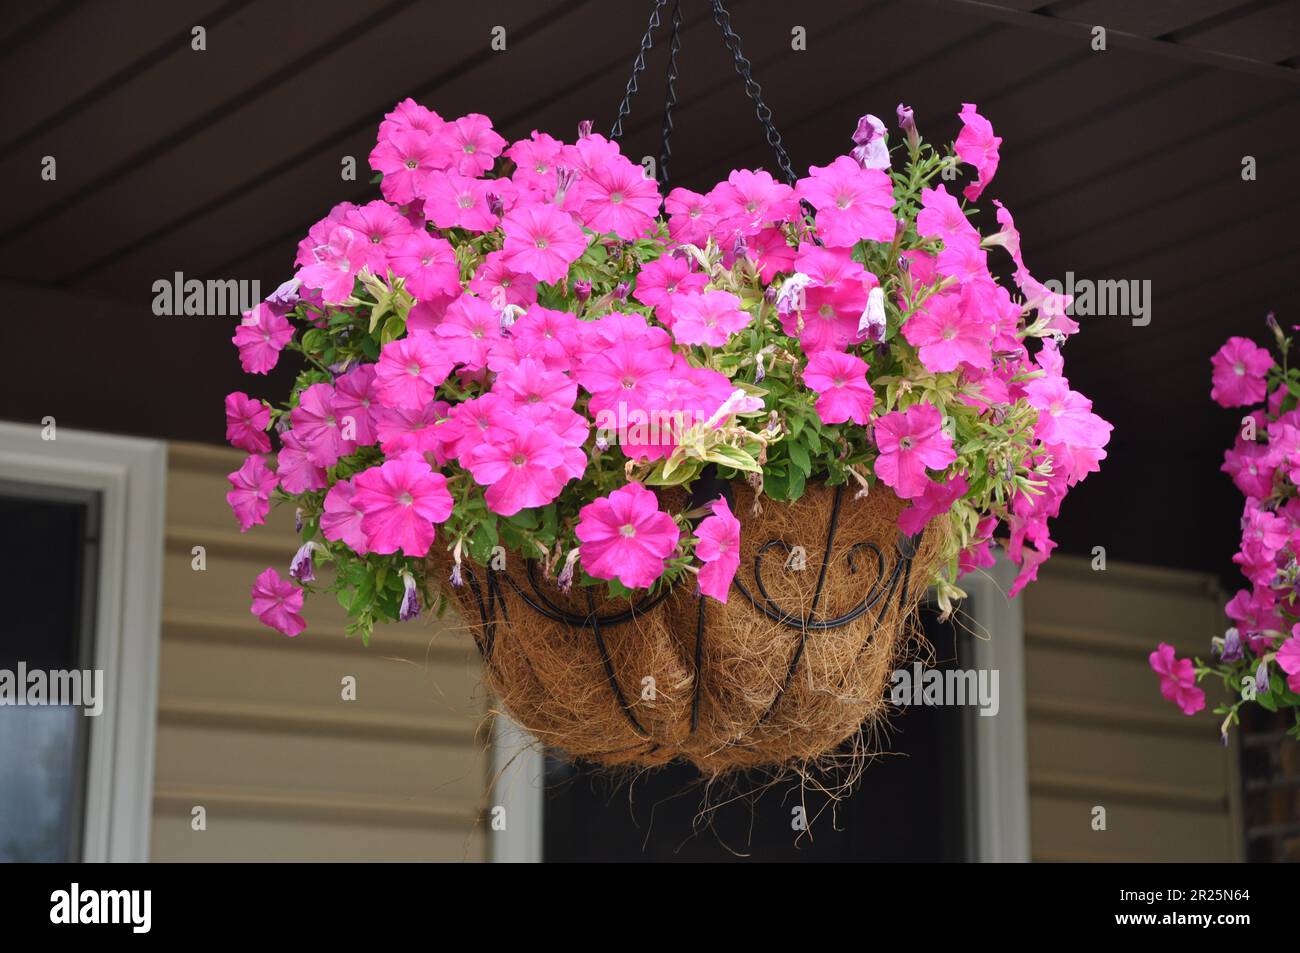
(685,462)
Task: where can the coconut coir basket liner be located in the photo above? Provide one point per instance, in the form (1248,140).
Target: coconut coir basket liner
(792,665)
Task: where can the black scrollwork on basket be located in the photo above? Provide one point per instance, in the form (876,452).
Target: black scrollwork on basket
(889,583)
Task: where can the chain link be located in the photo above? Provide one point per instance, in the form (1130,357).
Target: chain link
(670,96)
(638,66)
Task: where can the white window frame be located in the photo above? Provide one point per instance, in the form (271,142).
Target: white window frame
(130,475)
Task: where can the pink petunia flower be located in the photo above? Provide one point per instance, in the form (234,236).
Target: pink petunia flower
(294,467)
(246,422)
(1288,659)
(852,202)
(316,425)
(277,603)
(659,280)
(337,262)
(250,494)
(501,285)
(468,332)
(453,200)
(542,241)
(708,318)
(428,264)
(528,383)
(937,499)
(260,338)
(909,442)
(840,381)
(406,158)
(382,229)
(407,431)
(1065,416)
(410,370)
(1177,679)
(719,549)
(1240,367)
(691,217)
(341,519)
(402,499)
(949,331)
(751,200)
(625,536)
(976,145)
(354,395)
(543,334)
(535,162)
(517,462)
(474,144)
(619,198)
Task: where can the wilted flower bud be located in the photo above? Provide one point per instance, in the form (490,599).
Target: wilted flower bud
(790,296)
(584,128)
(302,567)
(564,179)
(297,520)
(741,247)
(907,124)
(283,298)
(1261,678)
(871,144)
(582,290)
(410,599)
(566,574)
(1230,649)
(602,444)
(621,290)
(495,205)
(871,325)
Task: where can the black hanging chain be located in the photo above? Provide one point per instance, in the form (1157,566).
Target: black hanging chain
(638,67)
(746,71)
(670,96)
(743,67)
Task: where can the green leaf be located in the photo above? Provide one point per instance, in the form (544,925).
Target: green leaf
(799,454)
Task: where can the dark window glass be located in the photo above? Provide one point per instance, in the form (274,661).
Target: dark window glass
(49,567)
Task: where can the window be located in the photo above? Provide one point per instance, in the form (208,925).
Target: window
(83,515)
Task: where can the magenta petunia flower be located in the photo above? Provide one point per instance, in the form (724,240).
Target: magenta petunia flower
(1240,367)
(250,494)
(1065,416)
(382,229)
(468,331)
(535,161)
(976,145)
(428,264)
(910,441)
(661,279)
(406,431)
(711,317)
(950,330)
(1177,679)
(749,201)
(852,202)
(260,338)
(528,383)
(542,334)
(517,462)
(691,217)
(294,467)
(474,144)
(341,519)
(542,241)
(453,200)
(410,370)
(406,158)
(336,264)
(354,395)
(719,549)
(246,422)
(277,603)
(618,198)
(402,499)
(840,381)
(937,499)
(316,425)
(501,285)
(625,536)
(1288,659)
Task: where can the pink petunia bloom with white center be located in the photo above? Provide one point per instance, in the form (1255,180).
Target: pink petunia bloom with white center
(260,338)
(277,603)
(691,217)
(354,396)
(910,441)
(749,201)
(1240,368)
(406,158)
(315,422)
(453,200)
(711,317)
(428,265)
(337,262)
(246,423)
(517,463)
(1065,416)
(382,228)
(410,370)
(542,241)
(948,332)
(852,203)
(341,518)
(840,381)
(625,536)
(474,144)
(402,499)
(617,197)
(250,494)
(1177,679)
(294,467)
(719,549)
(468,332)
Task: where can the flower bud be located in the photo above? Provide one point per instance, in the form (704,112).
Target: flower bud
(410,599)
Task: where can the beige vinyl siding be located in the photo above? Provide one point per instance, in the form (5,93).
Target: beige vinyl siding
(252,725)
(1099,731)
